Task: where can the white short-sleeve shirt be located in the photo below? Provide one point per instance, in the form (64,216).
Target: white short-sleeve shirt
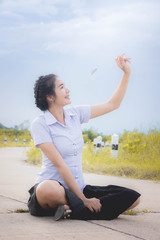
(68,140)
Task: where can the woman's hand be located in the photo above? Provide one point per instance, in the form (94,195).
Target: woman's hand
(122,63)
(93,204)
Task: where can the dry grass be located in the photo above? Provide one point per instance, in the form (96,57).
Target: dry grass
(138,157)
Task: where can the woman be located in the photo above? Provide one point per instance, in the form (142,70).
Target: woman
(60,189)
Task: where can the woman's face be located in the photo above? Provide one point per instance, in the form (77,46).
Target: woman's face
(62,93)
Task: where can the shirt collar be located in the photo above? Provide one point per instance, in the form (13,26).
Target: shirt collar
(50,119)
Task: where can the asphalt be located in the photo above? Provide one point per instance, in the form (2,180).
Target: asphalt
(17,176)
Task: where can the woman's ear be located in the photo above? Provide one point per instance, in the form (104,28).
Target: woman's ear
(50,99)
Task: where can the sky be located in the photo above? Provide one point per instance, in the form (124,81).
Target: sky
(70,38)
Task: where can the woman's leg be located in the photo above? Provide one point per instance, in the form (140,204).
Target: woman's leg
(46,196)
(114,199)
(134,204)
(50,194)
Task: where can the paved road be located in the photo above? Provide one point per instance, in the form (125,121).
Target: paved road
(17,176)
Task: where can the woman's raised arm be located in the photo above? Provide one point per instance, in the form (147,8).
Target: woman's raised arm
(117,97)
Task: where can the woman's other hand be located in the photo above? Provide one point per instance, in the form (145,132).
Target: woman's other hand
(93,204)
(122,63)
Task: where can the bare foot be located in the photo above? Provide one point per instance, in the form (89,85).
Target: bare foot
(67,208)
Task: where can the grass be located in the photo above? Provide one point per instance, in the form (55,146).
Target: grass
(13,144)
(11,134)
(135,212)
(34,155)
(130,212)
(138,157)
(19,210)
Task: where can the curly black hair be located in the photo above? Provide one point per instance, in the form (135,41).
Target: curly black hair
(45,85)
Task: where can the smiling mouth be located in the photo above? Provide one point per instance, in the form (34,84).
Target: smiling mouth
(67,97)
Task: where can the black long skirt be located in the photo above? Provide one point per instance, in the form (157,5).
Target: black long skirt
(114,200)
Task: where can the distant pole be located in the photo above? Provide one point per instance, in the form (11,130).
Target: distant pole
(24,141)
(95,142)
(5,140)
(114,151)
(99,142)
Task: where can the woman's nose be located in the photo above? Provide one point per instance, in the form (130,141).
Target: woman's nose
(68,90)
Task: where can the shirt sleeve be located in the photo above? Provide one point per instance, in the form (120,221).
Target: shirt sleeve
(40,133)
(84,112)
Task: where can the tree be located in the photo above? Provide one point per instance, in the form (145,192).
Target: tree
(106,138)
(90,134)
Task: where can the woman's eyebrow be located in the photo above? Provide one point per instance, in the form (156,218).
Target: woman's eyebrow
(60,84)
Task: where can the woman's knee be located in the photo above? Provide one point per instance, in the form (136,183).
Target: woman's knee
(50,193)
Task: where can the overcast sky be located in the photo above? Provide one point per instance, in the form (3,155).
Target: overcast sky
(70,38)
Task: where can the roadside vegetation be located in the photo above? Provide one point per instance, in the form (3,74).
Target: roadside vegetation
(14,138)
(138,153)
(138,157)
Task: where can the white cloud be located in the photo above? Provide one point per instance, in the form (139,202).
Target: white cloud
(20,7)
(85,33)
(131,24)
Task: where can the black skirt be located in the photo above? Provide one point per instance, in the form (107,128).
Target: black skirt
(114,199)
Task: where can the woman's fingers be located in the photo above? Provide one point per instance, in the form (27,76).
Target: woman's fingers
(92,209)
(127,61)
(122,54)
(95,205)
(121,57)
(122,63)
